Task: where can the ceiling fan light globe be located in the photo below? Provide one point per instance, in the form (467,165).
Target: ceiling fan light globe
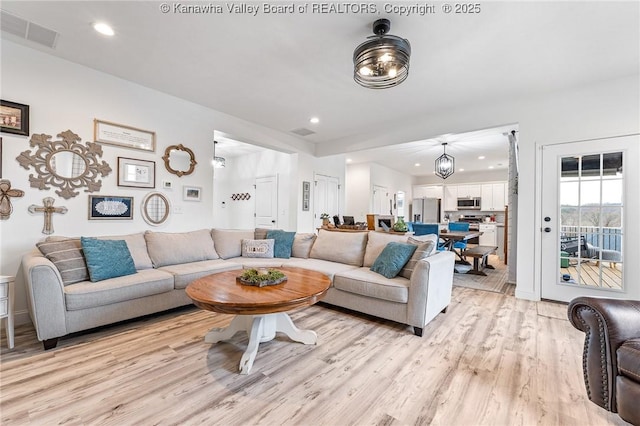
(365,71)
(386,57)
(380,54)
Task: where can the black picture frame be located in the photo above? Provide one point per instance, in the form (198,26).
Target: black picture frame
(14,118)
(112,207)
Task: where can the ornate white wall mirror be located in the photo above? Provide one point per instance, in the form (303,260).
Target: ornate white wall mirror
(66,164)
(155,208)
(179,160)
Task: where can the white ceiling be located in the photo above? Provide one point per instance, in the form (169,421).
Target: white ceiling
(279,70)
(418,158)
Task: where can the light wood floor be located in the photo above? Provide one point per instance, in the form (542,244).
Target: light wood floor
(495,280)
(490,360)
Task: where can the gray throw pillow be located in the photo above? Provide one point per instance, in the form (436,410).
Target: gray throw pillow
(423,251)
(173,248)
(68,258)
(261,233)
(302,244)
(228,242)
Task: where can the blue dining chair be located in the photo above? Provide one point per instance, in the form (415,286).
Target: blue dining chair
(459,227)
(426,229)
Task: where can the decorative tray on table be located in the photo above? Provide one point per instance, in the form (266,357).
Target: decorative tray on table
(261,277)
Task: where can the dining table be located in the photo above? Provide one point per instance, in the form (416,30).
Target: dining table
(450,237)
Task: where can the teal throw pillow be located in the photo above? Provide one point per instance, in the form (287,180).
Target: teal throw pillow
(107,258)
(393,257)
(283,243)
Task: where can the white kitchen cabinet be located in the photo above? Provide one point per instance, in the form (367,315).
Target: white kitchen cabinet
(469,191)
(450,198)
(431,191)
(488,236)
(493,197)
(498,196)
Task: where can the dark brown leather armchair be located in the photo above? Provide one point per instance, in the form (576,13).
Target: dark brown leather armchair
(611,357)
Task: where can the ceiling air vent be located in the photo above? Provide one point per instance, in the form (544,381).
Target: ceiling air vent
(302,131)
(28,30)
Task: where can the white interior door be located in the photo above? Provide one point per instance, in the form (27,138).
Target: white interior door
(381,200)
(589,219)
(267,202)
(326,197)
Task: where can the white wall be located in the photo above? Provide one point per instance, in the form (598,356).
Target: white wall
(66,96)
(599,110)
(239,177)
(361,178)
(358,184)
(306,167)
(394,181)
(608,109)
(464,177)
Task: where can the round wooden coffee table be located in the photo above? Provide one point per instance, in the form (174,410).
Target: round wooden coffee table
(260,311)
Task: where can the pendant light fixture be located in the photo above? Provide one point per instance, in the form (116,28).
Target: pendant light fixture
(445,164)
(383,60)
(218,162)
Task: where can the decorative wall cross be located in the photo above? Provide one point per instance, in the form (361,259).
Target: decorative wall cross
(48,210)
(6,193)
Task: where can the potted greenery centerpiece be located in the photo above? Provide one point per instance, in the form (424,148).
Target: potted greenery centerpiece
(400,225)
(261,277)
(325,219)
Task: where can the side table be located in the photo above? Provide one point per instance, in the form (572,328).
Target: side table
(6,305)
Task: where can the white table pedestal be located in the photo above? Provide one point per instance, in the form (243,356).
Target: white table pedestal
(260,328)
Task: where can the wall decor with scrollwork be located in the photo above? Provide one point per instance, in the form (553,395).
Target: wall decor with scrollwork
(6,193)
(65,163)
(241,197)
(179,160)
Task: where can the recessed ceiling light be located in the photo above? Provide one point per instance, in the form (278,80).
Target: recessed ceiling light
(103,28)
(461,170)
(417,164)
(314,120)
(349,160)
(481,157)
(491,167)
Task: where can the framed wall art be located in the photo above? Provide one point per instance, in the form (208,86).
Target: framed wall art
(14,118)
(126,136)
(104,207)
(191,193)
(306,192)
(136,173)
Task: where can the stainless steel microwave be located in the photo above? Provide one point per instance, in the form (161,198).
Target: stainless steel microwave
(471,203)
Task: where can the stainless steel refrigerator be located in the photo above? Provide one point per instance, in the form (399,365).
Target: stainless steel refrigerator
(426,210)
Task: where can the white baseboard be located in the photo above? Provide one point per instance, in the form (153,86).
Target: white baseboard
(527,295)
(21,318)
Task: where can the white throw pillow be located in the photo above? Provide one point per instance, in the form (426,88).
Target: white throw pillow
(257,248)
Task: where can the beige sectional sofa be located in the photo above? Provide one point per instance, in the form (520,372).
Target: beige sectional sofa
(166,263)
